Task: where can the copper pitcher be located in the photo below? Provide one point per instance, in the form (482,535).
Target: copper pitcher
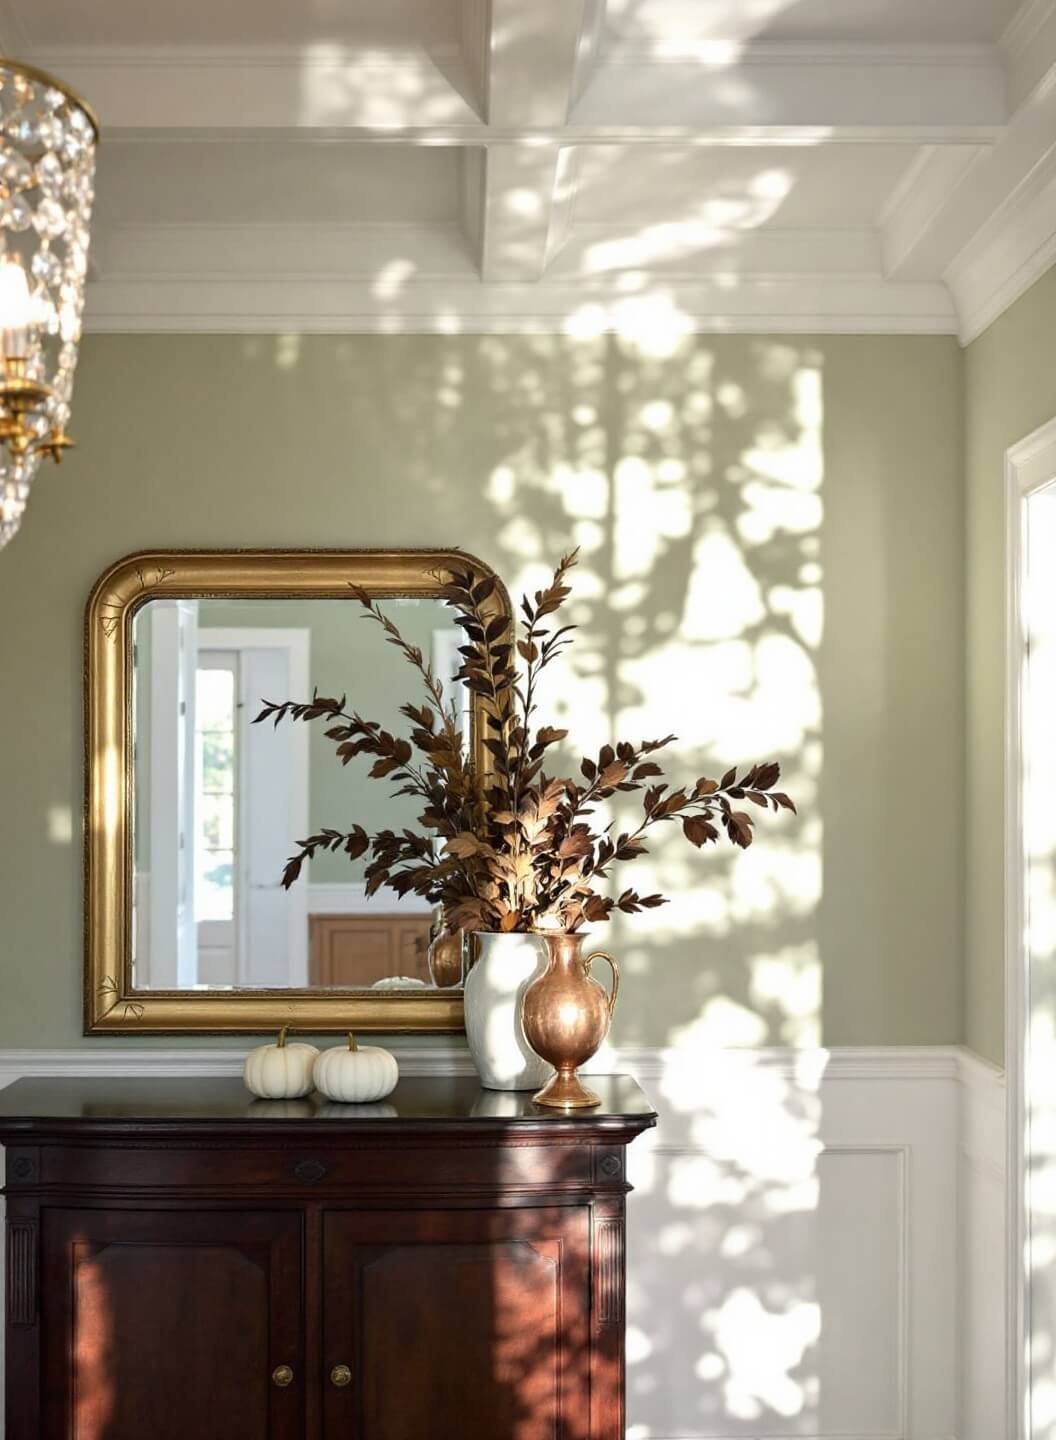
(566,1016)
(445,958)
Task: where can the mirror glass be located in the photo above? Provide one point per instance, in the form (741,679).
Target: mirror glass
(219,802)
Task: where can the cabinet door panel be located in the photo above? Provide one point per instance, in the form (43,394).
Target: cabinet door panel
(170,1325)
(457,1323)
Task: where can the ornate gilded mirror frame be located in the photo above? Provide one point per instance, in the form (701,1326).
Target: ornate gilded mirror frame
(111,1004)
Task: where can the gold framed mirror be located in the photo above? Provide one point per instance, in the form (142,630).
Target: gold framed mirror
(191,808)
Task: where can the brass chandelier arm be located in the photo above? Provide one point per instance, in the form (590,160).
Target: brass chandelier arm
(20,396)
(46,196)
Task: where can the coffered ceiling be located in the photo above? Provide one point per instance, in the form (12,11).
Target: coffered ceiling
(580,164)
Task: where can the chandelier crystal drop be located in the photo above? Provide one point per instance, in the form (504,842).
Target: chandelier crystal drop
(48,140)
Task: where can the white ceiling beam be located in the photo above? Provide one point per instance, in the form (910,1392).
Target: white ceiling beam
(389,256)
(398,255)
(926,231)
(527,87)
(325,89)
(1028,49)
(948,95)
(519,196)
(910,224)
(535,53)
(519,201)
(685,250)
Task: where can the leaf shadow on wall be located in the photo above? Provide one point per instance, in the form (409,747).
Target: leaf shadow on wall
(692,480)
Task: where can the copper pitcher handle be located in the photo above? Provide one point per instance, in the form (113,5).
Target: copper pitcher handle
(603,955)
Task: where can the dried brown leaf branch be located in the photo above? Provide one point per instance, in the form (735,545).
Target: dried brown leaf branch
(509,847)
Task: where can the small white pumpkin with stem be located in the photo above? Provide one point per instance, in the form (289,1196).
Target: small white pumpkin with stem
(355,1074)
(280,1071)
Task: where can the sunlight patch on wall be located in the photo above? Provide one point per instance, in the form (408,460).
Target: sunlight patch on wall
(694,489)
(756,1351)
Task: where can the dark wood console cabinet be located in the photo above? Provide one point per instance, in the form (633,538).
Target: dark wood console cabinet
(184,1263)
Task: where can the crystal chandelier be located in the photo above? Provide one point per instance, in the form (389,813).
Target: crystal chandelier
(48,138)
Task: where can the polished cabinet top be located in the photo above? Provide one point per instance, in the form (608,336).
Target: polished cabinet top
(417,1103)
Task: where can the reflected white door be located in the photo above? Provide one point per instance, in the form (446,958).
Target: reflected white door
(171,959)
(268,931)
(275,773)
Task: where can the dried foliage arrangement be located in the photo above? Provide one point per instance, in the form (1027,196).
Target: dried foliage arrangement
(514,849)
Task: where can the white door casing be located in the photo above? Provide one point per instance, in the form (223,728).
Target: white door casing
(171,939)
(1030,723)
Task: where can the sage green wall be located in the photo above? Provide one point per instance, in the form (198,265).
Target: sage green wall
(1010,389)
(728,495)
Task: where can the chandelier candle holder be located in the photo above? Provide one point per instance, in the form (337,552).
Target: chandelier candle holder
(48,141)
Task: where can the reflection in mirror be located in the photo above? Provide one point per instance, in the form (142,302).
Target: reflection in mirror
(219,802)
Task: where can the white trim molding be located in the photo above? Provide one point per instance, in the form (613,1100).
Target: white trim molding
(449,1056)
(1011,250)
(983,1253)
(1030,465)
(350,898)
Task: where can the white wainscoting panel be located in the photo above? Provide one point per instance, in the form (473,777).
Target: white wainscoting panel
(983,1251)
(793,1247)
(798,1227)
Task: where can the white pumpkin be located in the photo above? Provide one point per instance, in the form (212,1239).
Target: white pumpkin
(353,1074)
(280,1071)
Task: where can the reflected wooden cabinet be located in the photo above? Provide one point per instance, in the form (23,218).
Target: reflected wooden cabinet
(182,1261)
(353,951)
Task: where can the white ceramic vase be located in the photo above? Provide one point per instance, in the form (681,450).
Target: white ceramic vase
(494,989)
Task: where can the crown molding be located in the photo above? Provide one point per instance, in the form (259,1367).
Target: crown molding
(751,304)
(1028,50)
(1007,254)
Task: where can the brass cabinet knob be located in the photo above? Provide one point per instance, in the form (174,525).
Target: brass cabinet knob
(340,1376)
(282,1376)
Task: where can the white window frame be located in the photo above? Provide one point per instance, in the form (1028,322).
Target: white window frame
(221,934)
